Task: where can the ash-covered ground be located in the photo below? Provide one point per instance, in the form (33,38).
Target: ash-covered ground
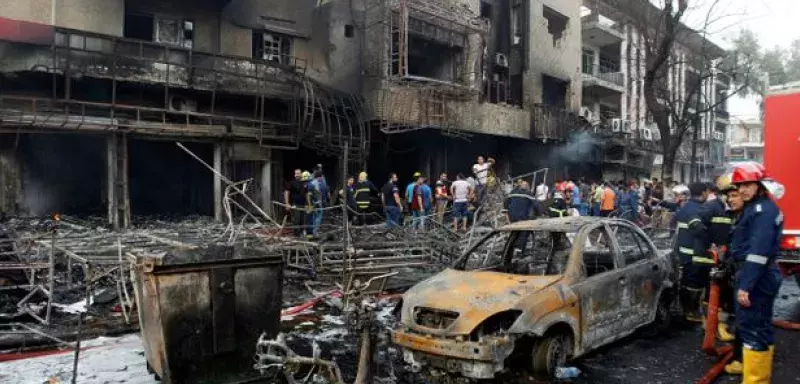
(671,358)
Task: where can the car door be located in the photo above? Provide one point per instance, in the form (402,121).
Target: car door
(599,290)
(645,273)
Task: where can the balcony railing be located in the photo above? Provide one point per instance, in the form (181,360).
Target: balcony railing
(722,113)
(554,123)
(607,71)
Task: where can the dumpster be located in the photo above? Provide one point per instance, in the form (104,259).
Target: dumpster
(201,310)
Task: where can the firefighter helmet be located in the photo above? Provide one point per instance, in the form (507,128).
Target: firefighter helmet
(749,172)
(558,196)
(724,184)
(306,176)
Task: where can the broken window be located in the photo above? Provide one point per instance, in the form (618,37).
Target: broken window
(516,23)
(597,255)
(486,10)
(272,46)
(161,29)
(556,24)
(633,248)
(431,59)
(349,31)
(488,255)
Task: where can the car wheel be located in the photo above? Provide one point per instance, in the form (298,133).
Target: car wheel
(549,353)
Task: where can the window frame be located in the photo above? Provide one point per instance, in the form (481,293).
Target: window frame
(644,248)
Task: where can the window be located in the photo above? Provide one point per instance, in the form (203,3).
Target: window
(160,29)
(490,254)
(272,46)
(597,255)
(349,31)
(633,248)
(486,10)
(556,24)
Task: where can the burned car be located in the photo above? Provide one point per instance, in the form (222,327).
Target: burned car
(547,290)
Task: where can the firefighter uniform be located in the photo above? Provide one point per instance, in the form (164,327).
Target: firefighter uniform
(559,206)
(755,240)
(720,221)
(362,194)
(691,246)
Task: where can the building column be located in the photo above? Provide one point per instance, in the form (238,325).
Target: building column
(219,153)
(10,179)
(266,183)
(119,215)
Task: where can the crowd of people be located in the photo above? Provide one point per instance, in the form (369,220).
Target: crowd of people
(308,194)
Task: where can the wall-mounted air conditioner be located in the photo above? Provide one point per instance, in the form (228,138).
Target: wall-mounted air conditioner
(626,126)
(646,134)
(616,125)
(656,133)
(719,136)
(501,60)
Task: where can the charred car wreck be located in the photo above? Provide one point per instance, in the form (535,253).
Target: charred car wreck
(546,290)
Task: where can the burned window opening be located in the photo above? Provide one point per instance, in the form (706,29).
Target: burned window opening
(431,59)
(486,10)
(160,29)
(498,89)
(271,46)
(556,24)
(554,91)
(597,255)
(349,31)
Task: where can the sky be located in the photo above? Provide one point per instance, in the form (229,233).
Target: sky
(775,23)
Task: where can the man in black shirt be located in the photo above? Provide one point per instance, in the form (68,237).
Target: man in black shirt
(390,196)
(295,200)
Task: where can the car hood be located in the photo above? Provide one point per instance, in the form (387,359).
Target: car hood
(474,295)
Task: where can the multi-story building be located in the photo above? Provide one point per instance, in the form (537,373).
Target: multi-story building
(746,141)
(613,66)
(95,92)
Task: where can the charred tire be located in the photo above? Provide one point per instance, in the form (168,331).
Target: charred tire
(550,352)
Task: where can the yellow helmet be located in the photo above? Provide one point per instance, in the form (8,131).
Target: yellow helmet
(724,183)
(306,176)
(362,176)
(417,174)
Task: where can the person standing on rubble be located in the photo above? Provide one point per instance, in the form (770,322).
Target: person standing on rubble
(481,170)
(586,195)
(318,194)
(348,194)
(755,247)
(427,197)
(417,204)
(461,192)
(542,191)
(442,196)
(392,204)
(363,189)
(294,197)
(691,248)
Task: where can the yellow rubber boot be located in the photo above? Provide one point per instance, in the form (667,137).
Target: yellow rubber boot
(757,366)
(734,368)
(723,334)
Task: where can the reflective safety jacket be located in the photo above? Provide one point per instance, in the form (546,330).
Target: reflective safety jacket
(754,246)
(558,209)
(363,189)
(691,242)
(719,222)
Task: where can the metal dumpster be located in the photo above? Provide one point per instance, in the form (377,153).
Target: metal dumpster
(201,310)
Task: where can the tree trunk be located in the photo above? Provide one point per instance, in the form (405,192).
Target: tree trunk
(668,164)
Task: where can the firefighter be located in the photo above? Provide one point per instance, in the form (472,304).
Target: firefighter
(691,246)
(754,247)
(733,199)
(363,191)
(719,220)
(559,206)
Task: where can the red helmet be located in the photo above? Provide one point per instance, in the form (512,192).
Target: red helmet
(748,172)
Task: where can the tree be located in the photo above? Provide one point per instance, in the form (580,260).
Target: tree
(664,35)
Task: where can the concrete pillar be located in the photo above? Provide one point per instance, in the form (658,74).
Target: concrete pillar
(10,180)
(625,70)
(266,183)
(111,180)
(219,153)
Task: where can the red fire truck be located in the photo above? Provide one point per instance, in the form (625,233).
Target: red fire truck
(782,160)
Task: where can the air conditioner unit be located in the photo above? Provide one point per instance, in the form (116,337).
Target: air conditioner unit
(616,125)
(719,136)
(501,60)
(656,134)
(626,126)
(182,104)
(646,134)
(587,114)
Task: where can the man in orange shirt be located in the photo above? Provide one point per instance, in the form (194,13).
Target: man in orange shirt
(607,200)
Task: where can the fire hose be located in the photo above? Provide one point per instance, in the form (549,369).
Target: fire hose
(712,321)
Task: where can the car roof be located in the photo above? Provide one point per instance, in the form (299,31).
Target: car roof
(560,224)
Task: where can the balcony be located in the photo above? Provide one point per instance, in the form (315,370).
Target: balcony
(605,77)
(722,113)
(554,123)
(600,34)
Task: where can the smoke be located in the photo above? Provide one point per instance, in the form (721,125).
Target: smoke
(580,148)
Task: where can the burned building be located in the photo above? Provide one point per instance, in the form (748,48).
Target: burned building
(94,93)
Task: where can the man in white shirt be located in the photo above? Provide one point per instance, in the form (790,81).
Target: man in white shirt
(461,192)
(541,191)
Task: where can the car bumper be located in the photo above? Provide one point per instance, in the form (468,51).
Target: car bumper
(472,359)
